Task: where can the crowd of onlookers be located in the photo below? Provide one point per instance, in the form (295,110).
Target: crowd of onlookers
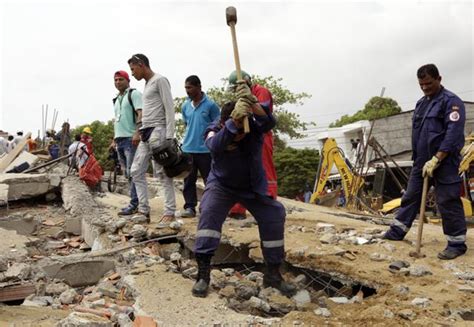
(79,148)
(8,142)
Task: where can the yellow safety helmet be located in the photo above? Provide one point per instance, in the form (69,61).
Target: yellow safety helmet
(87,130)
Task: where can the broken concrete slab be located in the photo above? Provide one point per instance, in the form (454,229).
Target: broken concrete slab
(77,271)
(31,159)
(18,271)
(13,245)
(6,160)
(22,224)
(25,186)
(83,213)
(3,194)
(77,199)
(80,319)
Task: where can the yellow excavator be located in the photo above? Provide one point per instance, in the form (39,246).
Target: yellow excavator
(332,155)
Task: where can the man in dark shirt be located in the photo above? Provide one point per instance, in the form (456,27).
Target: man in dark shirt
(437,139)
(237,175)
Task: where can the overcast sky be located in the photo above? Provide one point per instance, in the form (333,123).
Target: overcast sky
(64,53)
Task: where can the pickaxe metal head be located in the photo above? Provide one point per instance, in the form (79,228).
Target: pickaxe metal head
(415,254)
(231,15)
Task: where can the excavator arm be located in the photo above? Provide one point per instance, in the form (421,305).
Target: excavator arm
(468,157)
(331,155)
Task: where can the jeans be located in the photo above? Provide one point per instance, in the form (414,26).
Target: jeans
(201,163)
(126,153)
(140,167)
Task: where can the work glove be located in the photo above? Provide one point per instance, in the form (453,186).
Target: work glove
(243,92)
(430,166)
(241,110)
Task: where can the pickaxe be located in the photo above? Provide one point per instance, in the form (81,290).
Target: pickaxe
(231,17)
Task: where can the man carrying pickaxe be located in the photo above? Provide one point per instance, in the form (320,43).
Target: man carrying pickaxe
(234,178)
(265,99)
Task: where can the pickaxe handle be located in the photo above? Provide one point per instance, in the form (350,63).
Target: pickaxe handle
(231,15)
(422,215)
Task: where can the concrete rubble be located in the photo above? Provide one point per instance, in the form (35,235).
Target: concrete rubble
(72,253)
(25,186)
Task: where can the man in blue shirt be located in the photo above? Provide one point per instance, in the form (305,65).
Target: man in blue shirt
(437,140)
(198,112)
(128,113)
(237,175)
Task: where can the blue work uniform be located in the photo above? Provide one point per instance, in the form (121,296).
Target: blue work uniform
(237,175)
(438,126)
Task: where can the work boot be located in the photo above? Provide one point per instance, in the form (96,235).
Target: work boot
(393,234)
(452,252)
(273,278)
(204,275)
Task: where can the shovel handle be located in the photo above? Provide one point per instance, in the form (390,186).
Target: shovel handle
(422,214)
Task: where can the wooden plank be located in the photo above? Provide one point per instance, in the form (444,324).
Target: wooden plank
(16,292)
(6,160)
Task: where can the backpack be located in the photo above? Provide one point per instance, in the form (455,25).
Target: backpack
(91,172)
(129,96)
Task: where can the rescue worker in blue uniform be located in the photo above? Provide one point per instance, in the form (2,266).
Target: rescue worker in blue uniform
(237,175)
(437,140)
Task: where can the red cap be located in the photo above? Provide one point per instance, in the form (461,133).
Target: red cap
(123,74)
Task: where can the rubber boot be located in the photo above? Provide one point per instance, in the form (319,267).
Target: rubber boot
(273,278)
(204,275)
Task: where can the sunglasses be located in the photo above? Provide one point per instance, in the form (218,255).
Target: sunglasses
(137,58)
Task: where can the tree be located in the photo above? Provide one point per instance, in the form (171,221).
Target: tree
(288,123)
(295,168)
(377,107)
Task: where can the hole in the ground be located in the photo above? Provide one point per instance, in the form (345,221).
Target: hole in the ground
(13,303)
(332,286)
(314,288)
(467,315)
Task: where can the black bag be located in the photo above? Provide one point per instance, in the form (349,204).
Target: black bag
(167,153)
(182,168)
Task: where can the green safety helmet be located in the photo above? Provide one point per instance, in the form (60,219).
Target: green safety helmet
(233,77)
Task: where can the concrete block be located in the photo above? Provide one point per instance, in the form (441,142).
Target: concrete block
(79,273)
(79,319)
(3,194)
(25,225)
(73,225)
(31,159)
(25,186)
(54,180)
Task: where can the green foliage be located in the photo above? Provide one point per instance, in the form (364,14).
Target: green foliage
(288,123)
(102,136)
(179,123)
(295,168)
(377,107)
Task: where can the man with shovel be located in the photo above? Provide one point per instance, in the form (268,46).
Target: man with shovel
(437,140)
